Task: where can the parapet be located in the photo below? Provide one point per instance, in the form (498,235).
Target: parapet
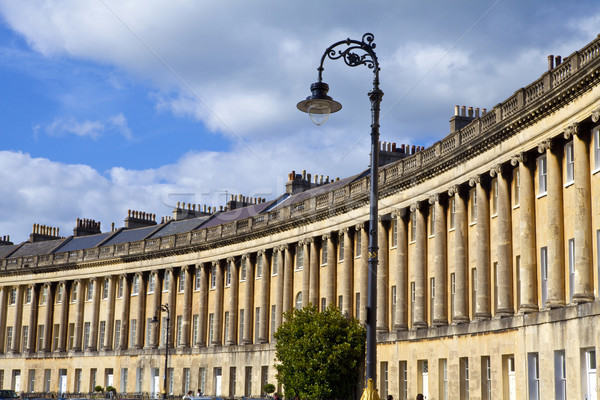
(139,219)
(85,227)
(42,232)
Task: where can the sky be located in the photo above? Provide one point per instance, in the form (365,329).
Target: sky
(110,105)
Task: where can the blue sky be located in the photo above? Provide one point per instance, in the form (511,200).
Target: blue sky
(107,105)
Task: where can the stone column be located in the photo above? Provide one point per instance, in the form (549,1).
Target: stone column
(218,320)
(280,287)
(306,273)
(203,305)
(288,279)
(47,343)
(504,306)
(263,331)
(420,306)
(33,318)
(584,286)
(156,302)
(364,269)
(172,301)
(123,342)
(482,252)
(141,312)
(401,317)
(64,318)
(461,308)
(187,307)
(95,315)
(233,301)
(3,310)
(331,270)
(110,315)
(554,201)
(78,316)
(16,342)
(382,275)
(347,273)
(440,266)
(528,263)
(248,296)
(314,272)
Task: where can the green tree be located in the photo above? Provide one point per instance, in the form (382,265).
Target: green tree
(319,354)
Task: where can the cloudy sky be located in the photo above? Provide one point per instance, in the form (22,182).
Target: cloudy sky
(110,105)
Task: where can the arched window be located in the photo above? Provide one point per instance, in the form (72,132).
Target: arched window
(299,301)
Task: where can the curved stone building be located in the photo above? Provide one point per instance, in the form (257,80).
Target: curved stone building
(488,279)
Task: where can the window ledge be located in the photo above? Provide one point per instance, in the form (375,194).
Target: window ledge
(569,184)
(539,196)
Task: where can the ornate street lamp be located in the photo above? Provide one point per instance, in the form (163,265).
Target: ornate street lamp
(319,105)
(159,309)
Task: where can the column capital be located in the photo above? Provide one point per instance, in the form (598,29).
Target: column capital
(283,247)
(434,198)
(346,230)
(326,236)
(570,130)
(518,158)
(309,240)
(139,274)
(454,189)
(246,256)
(497,170)
(185,268)
(474,181)
(215,263)
(415,206)
(596,115)
(545,145)
(230,259)
(360,225)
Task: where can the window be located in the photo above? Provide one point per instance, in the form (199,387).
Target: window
(179,330)
(104,289)
(324,252)
(423,386)
(432,220)
(473,290)
(432,299)
(123,386)
(117,333)
(596,148)
(74,291)
(77,384)
(544,274)
(341,302)
(452,212)
(86,335)
(486,378)
(243,269)
(383,390)
(186,380)
(598,261)
(571,269)
(395,232)
(533,376)
(211,328)
(518,272)
(452,295)
(357,305)
(135,287)
(517,186)
(473,195)
(120,287)
(9,337)
(59,294)
(560,375)
(323,303)
(443,379)
(47,377)
(273,316)
(167,281)
(202,380)
(182,274)
(213,276)
(232,381)
(589,374)
(195,328)
(358,243)
(133,333)
(197,278)
(275,262)
(542,175)
(55,333)
(40,337)
(495,197)
(259,267)
(226,327)
(394,301)
(89,294)
(102,333)
(25,332)
(148,330)
(248,382)
(570,168)
(28,296)
(299,301)
(164,327)
(171,380)
(412,300)
(151,282)
(413,226)
(299,257)
(12,298)
(403,384)
(241,331)
(341,247)
(139,379)
(464,377)
(256,324)
(93,377)
(495,283)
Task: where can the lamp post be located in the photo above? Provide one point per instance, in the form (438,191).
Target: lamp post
(319,106)
(159,309)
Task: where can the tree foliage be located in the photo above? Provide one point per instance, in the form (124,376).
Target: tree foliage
(319,354)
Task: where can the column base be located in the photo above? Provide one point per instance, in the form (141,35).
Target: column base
(460,319)
(555,304)
(400,327)
(528,308)
(505,312)
(420,325)
(382,329)
(440,322)
(583,298)
(482,316)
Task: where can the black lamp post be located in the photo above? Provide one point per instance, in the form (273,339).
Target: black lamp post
(159,309)
(319,105)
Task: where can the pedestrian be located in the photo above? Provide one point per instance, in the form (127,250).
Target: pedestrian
(420,397)
(276,396)
(390,397)
(198,393)
(189,395)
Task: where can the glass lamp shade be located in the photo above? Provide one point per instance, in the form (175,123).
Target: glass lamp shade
(319,105)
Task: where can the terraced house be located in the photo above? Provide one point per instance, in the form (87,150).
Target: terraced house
(488,278)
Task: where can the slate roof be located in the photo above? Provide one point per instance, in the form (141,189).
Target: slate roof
(36,248)
(175,227)
(132,235)
(83,242)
